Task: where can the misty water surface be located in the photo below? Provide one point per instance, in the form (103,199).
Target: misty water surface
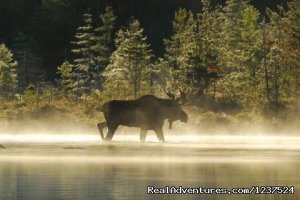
(123,170)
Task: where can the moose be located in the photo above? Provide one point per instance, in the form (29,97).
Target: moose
(147,112)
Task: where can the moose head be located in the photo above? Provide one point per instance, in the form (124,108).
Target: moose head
(179,114)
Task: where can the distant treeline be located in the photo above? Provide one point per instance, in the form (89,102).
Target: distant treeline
(50,25)
(227,55)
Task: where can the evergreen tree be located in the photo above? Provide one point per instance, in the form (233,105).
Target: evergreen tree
(252,54)
(84,61)
(19,51)
(209,32)
(8,71)
(186,70)
(103,43)
(250,40)
(29,62)
(290,45)
(240,55)
(283,57)
(232,37)
(210,28)
(129,69)
(67,76)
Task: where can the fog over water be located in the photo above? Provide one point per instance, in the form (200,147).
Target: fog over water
(78,165)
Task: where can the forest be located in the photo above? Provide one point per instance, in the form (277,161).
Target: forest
(237,63)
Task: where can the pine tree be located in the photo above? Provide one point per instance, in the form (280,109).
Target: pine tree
(19,51)
(8,71)
(240,55)
(29,68)
(210,28)
(186,70)
(209,32)
(103,43)
(129,70)
(84,61)
(232,37)
(252,54)
(283,57)
(250,40)
(67,76)
(290,51)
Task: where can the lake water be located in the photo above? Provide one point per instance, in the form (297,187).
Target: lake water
(48,169)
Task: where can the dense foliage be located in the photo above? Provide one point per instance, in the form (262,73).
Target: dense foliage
(226,58)
(8,72)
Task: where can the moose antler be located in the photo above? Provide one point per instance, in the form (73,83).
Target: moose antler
(182,100)
(183,97)
(169,94)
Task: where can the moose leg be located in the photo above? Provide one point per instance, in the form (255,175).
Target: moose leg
(143,135)
(110,133)
(101,126)
(170,124)
(160,134)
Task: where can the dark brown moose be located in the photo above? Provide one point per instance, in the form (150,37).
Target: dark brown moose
(147,112)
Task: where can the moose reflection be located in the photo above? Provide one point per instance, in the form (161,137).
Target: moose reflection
(147,112)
